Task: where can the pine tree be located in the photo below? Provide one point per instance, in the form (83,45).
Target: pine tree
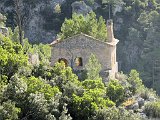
(93,68)
(84,24)
(101,28)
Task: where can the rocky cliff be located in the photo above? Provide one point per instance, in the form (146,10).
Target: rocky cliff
(41,23)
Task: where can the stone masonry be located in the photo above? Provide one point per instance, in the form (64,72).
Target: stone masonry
(82,46)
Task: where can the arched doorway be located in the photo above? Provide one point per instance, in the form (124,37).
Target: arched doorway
(64,60)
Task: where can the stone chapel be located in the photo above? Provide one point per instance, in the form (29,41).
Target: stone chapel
(76,50)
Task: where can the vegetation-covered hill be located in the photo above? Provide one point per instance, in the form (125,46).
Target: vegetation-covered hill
(39,91)
(42,92)
(136,25)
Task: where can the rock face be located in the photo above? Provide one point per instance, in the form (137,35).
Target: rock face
(140,102)
(80,7)
(40,14)
(36,29)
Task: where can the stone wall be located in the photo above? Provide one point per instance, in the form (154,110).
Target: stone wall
(82,46)
(39,19)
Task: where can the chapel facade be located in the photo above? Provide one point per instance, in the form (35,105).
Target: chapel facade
(76,50)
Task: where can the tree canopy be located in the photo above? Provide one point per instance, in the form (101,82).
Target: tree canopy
(84,24)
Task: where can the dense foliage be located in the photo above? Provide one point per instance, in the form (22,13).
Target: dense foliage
(33,92)
(93,68)
(12,56)
(40,91)
(153,109)
(84,24)
(136,26)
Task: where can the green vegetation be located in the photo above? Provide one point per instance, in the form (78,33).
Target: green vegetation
(136,26)
(2,20)
(135,81)
(44,92)
(88,25)
(153,109)
(116,114)
(12,56)
(115,91)
(8,111)
(93,68)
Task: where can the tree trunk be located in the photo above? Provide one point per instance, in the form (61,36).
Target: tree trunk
(19,19)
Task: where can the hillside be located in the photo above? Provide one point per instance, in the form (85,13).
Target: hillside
(32,89)
(37,91)
(136,26)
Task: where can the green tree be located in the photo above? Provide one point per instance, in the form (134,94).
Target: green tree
(93,68)
(62,75)
(93,98)
(2,20)
(84,24)
(8,111)
(92,24)
(101,34)
(135,81)
(115,91)
(12,56)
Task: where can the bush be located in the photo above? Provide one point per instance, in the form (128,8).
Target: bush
(115,91)
(11,56)
(146,93)
(152,109)
(94,97)
(93,68)
(8,111)
(88,25)
(62,75)
(84,107)
(114,113)
(38,85)
(135,81)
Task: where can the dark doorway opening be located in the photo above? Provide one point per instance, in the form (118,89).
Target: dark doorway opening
(78,61)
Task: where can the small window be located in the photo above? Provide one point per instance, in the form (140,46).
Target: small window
(64,60)
(78,61)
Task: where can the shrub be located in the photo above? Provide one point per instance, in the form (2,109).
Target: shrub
(38,85)
(152,109)
(8,111)
(114,113)
(93,68)
(115,91)
(84,24)
(93,98)
(135,81)
(146,93)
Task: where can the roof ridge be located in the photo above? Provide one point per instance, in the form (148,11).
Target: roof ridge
(98,40)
